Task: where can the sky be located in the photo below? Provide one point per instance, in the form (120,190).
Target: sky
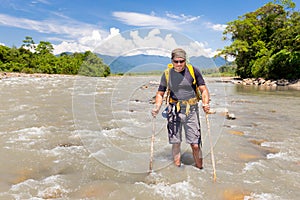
(123,27)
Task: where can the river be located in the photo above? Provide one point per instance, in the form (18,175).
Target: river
(72,137)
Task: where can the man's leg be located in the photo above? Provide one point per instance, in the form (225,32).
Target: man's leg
(197,154)
(176,154)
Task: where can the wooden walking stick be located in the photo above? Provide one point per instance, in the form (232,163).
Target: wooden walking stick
(211,149)
(152,144)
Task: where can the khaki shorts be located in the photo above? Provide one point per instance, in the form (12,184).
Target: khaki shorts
(190,123)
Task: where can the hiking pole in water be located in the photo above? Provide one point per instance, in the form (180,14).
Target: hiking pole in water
(211,148)
(152,144)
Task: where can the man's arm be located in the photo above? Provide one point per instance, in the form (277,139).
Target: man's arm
(205,98)
(158,102)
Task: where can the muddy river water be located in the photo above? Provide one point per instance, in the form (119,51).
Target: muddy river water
(71,137)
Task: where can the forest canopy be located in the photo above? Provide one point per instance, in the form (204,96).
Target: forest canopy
(266,42)
(39,58)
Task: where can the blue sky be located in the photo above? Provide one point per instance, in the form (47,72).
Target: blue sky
(123,27)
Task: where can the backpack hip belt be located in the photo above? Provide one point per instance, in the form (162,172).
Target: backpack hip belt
(188,103)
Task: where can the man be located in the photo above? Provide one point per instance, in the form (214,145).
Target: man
(182,101)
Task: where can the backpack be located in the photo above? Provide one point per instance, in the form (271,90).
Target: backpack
(192,73)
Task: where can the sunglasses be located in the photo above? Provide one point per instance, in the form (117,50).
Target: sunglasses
(178,61)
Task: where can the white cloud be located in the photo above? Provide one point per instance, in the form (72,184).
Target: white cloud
(40,1)
(78,37)
(171,21)
(88,42)
(182,19)
(216,27)
(70,47)
(114,31)
(155,42)
(143,20)
(67,27)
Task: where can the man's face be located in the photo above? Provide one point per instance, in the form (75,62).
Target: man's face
(179,64)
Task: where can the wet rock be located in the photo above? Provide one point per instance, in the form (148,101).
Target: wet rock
(264,149)
(152,100)
(155,178)
(247,157)
(282,82)
(268,150)
(154,83)
(241,101)
(257,142)
(268,83)
(295,84)
(52,193)
(235,194)
(248,81)
(66,145)
(230,116)
(236,132)
(145,87)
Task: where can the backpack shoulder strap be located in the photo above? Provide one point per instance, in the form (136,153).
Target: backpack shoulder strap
(192,72)
(167,76)
(167,72)
(190,68)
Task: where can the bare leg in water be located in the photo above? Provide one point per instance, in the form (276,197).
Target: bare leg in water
(197,154)
(176,154)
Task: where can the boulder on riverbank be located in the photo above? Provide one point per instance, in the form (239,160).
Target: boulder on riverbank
(269,83)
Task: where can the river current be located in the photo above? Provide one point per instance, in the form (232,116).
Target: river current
(72,137)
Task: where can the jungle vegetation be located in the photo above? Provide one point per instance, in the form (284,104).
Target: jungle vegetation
(39,58)
(266,42)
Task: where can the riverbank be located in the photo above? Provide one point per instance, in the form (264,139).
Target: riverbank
(295,84)
(4,75)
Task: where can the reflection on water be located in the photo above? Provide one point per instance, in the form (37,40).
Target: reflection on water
(89,138)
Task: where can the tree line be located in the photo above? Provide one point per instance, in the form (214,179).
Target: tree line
(266,42)
(39,58)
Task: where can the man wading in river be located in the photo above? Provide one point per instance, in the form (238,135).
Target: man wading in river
(185,86)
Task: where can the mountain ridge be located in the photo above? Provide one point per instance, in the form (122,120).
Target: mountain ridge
(145,63)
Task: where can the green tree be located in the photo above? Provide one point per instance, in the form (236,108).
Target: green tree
(41,60)
(285,3)
(263,42)
(28,43)
(44,48)
(93,66)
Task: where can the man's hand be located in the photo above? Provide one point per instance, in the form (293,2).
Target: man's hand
(155,110)
(206,108)
(158,102)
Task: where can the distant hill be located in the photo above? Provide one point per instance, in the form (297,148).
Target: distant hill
(145,63)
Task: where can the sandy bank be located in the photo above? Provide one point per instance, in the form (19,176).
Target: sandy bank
(4,75)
